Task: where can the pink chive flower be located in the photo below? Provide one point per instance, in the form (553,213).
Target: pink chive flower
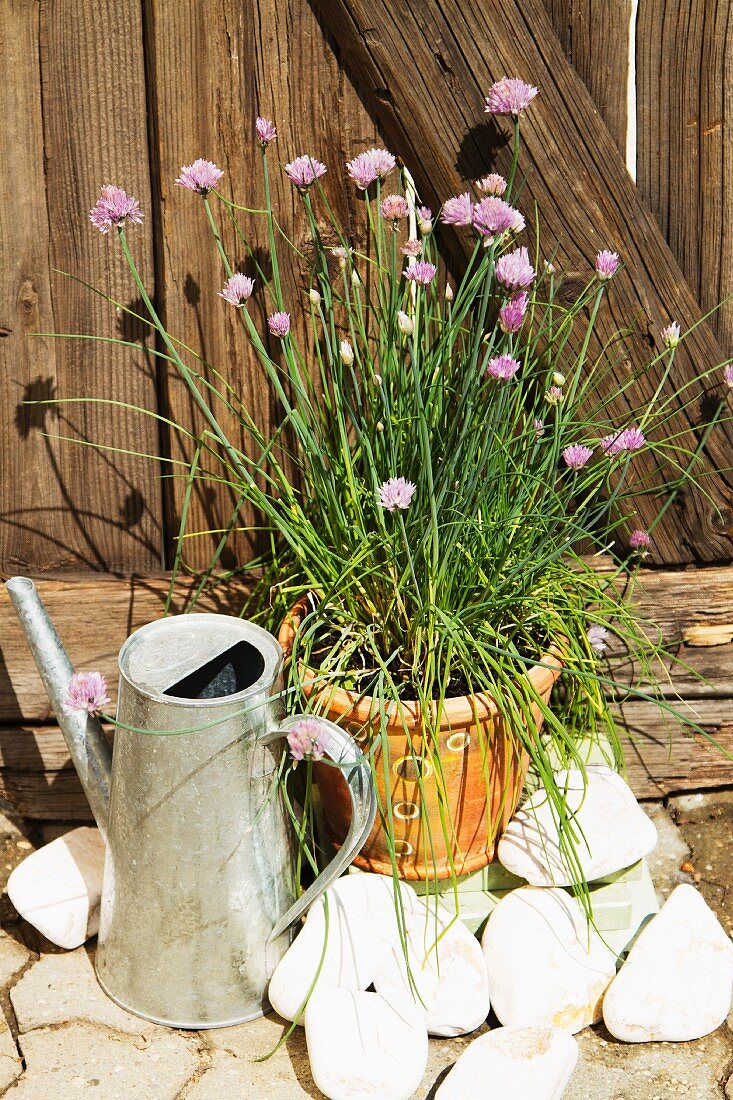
(630,439)
(265,130)
(633,439)
(509,96)
(394,207)
(728,375)
(514,271)
(606,264)
(375,164)
(554,395)
(279,324)
(304,171)
(396,493)
(201,176)
(421,272)
(307,739)
(457,210)
(87,692)
(361,171)
(114,207)
(539,427)
(577,456)
(424,219)
(671,335)
(511,314)
(492,216)
(237,289)
(493,184)
(596,636)
(411,247)
(640,542)
(503,367)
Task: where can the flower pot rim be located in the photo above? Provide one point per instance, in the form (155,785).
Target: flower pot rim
(459,710)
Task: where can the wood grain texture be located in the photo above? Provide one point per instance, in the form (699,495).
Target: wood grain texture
(94,132)
(33,527)
(425,74)
(240,60)
(685,611)
(684,70)
(594,35)
(34,749)
(53,796)
(661,757)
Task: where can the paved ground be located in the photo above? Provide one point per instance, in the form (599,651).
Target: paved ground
(62,1038)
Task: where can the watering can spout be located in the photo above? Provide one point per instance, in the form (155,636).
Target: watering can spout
(84,736)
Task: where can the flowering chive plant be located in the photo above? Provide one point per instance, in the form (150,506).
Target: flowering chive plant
(453,447)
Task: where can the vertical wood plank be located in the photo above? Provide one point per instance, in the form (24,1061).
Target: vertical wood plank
(239,60)
(33,527)
(94,130)
(685,141)
(594,35)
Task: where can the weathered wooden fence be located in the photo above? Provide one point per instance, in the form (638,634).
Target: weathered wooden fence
(127,92)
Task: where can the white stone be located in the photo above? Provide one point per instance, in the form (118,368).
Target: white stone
(547,967)
(532,1063)
(611,830)
(360,1046)
(58,888)
(677,981)
(448,968)
(362,925)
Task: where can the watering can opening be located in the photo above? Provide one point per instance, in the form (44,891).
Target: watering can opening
(235,670)
(198,662)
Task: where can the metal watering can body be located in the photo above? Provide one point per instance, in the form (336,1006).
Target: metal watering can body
(199,894)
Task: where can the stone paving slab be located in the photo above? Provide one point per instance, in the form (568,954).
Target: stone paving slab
(11,1066)
(81,1060)
(234,1052)
(62,987)
(13,957)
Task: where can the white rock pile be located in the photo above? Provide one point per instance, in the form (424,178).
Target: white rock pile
(545,972)
(386,984)
(356,1038)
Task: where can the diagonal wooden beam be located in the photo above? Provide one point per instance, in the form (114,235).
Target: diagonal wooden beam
(424,67)
(596,41)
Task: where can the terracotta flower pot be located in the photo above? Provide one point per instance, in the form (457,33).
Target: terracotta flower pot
(453,823)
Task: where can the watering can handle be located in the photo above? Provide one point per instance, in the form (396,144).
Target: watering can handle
(343,750)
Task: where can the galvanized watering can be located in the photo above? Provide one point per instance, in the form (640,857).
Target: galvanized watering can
(199,894)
